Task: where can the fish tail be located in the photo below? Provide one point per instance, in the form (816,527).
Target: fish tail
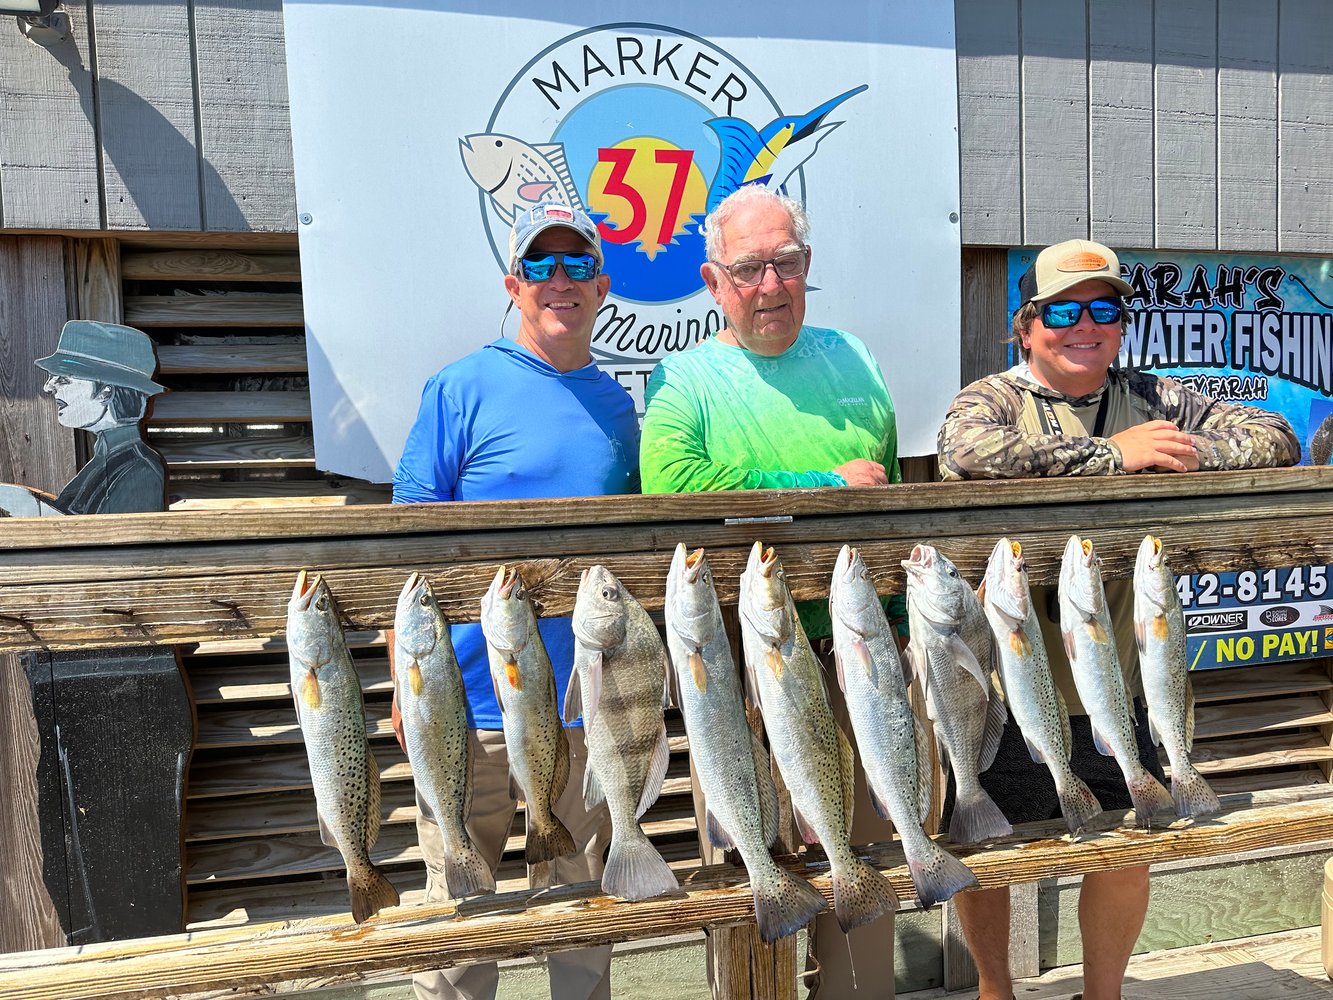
(635,869)
(548,841)
(371,892)
(861,894)
(1149,798)
(937,874)
(976,817)
(466,872)
(1078,804)
(783,903)
(1192,794)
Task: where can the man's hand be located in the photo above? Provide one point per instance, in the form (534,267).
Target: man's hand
(1158,445)
(863,472)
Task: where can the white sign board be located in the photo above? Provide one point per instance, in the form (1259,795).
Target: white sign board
(420,129)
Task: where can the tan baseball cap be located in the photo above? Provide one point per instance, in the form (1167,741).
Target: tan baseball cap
(1065,265)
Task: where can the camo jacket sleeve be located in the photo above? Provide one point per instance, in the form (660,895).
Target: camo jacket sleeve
(1226,435)
(981,439)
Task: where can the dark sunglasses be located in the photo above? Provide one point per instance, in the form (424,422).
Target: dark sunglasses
(1059,315)
(541,266)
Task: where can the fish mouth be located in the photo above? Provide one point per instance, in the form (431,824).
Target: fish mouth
(414,580)
(304,591)
(846,563)
(921,559)
(693,565)
(506,580)
(1151,551)
(768,560)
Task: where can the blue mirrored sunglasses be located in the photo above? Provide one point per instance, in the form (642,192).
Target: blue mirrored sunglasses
(1059,315)
(541,266)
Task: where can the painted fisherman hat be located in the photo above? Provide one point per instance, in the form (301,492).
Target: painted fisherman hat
(106,353)
(1064,265)
(547,215)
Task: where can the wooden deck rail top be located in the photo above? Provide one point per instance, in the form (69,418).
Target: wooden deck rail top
(260,960)
(172,578)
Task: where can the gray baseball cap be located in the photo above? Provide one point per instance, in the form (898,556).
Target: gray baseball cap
(547,215)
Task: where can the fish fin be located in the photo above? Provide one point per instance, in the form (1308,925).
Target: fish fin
(466,872)
(803,826)
(1077,803)
(876,802)
(369,899)
(1018,642)
(1096,632)
(657,769)
(560,777)
(1101,743)
(861,894)
(847,765)
(773,660)
(1154,733)
(372,798)
(1034,752)
(932,710)
(668,684)
(937,875)
(593,795)
(310,690)
(1068,638)
(593,667)
(909,666)
(752,686)
(549,843)
(573,706)
(1149,798)
(533,190)
(635,869)
(862,651)
(326,836)
(963,656)
(1189,714)
(925,772)
(837,668)
(1140,635)
(698,671)
(673,686)
(767,788)
(554,154)
(942,752)
(997,713)
(516,790)
(718,835)
(1191,793)
(1160,629)
(783,903)
(414,679)
(977,818)
(1063,709)
(499,696)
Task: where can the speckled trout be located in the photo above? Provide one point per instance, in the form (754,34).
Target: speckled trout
(950,646)
(893,742)
(621,690)
(814,755)
(730,762)
(345,774)
(1025,671)
(1085,625)
(525,689)
(1159,628)
(433,705)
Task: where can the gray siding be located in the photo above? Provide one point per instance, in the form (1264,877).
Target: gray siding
(155,114)
(1174,124)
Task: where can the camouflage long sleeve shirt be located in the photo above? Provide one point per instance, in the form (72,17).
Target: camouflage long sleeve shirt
(1008,426)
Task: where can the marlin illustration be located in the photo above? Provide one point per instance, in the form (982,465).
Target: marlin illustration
(517,174)
(772,154)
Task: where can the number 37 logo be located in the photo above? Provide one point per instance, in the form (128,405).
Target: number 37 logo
(648,186)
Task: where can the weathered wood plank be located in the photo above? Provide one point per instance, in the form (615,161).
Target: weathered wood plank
(1305,100)
(215,775)
(989,121)
(1261,715)
(1120,122)
(211,265)
(234,309)
(985,317)
(48,146)
(146,115)
(229,453)
(1252,753)
(1265,682)
(217,684)
(244,126)
(1247,165)
(97,280)
(261,960)
(1055,121)
(231,359)
(188,495)
(1185,62)
(185,408)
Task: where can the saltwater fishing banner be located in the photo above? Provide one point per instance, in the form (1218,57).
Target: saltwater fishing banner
(420,130)
(1246,329)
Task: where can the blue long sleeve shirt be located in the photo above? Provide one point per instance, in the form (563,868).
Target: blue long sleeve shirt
(502,424)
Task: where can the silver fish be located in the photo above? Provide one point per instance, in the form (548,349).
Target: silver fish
(1159,628)
(343,771)
(814,755)
(1025,671)
(734,770)
(434,712)
(525,690)
(621,691)
(894,747)
(1085,625)
(516,174)
(950,645)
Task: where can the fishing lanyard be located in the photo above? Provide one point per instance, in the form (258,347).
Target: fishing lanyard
(1051,423)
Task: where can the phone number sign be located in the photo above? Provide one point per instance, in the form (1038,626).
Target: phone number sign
(1250,617)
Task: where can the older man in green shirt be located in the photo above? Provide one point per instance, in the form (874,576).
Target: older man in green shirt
(769,402)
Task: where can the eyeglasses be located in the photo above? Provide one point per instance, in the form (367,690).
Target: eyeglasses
(747,273)
(1059,315)
(541,266)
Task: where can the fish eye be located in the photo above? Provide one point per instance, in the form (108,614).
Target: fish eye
(953,572)
(322,604)
(610,593)
(425,601)
(499,143)
(708,578)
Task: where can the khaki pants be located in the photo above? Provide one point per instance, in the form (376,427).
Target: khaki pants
(574,975)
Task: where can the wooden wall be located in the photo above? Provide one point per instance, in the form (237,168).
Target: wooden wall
(1172,124)
(152,115)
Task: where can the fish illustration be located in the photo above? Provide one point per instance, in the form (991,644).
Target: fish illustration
(517,174)
(772,154)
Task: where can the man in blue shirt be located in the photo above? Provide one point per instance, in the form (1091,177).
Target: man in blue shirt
(531,417)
